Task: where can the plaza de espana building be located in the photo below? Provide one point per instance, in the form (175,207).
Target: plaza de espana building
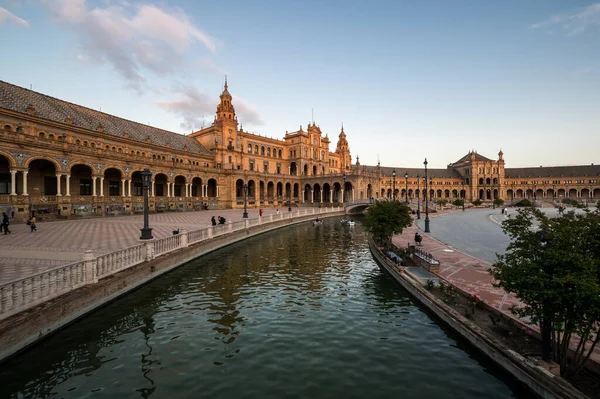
(59,158)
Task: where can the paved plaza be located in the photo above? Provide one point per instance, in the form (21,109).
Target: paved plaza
(56,243)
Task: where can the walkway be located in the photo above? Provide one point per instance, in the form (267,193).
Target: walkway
(56,243)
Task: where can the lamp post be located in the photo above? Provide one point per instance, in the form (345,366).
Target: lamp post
(426,200)
(406,178)
(290,199)
(419,197)
(394,184)
(464,194)
(245,215)
(146,183)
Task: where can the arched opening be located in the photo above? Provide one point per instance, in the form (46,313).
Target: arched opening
(317,193)
(270,192)
(296,193)
(305,170)
(196,187)
(293,169)
(327,194)
(481,195)
(481,180)
(439,194)
(239,190)
(307,193)
(81,181)
(495,180)
(5,178)
(261,191)
(179,187)
(314,170)
(348,192)
(288,191)
(488,181)
(369,191)
(520,193)
(495,194)
(279,191)
(572,193)
(160,185)
(251,191)
(211,188)
(41,179)
(510,194)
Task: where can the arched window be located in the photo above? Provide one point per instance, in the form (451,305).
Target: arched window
(249,148)
(256,149)
(120,150)
(268,152)
(107,148)
(93,145)
(481,180)
(114,148)
(262,150)
(85,143)
(77,142)
(42,135)
(51,136)
(7,128)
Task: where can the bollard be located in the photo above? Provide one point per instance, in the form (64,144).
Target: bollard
(89,262)
(184,238)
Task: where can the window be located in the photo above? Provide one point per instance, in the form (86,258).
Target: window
(251,164)
(266,167)
(113,188)
(268,152)
(249,148)
(85,186)
(262,150)
(280,154)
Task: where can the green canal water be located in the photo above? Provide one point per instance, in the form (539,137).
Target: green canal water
(302,312)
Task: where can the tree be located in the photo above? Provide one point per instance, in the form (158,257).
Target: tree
(458,202)
(553,266)
(386,218)
(498,202)
(477,202)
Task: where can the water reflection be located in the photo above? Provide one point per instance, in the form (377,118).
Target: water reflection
(301,312)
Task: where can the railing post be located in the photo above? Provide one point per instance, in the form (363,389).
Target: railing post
(270,217)
(149,250)
(260,220)
(229,226)
(89,263)
(246,223)
(184,238)
(209,232)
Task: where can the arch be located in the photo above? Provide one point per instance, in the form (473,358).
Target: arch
(5,176)
(10,158)
(596,193)
(454,193)
(31,159)
(262,150)
(268,151)
(160,181)
(179,186)
(279,189)
(317,192)
(288,191)
(481,194)
(42,177)
(80,162)
(7,128)
(107,167)
(481,180)
(369,191)
(42,135)
(270,191)
(307,193)
(495,194)
(261,191)
(51,136)
(488,181)
(280,154)
(438,194)
(81,180)
(520,193)
(251,190)
(495,180)
(239,190)
(293,169)
(348,191)
(305,170)
(256,149)
(327,193)
(196,183)
(137,186)
(446,193)
(296,193)
(211,188)
(510,194)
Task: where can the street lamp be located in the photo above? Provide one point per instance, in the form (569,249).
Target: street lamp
(394,184)
(426,200)
(290,199)
(418,196)
(146,183)
(245,215)
(406,178)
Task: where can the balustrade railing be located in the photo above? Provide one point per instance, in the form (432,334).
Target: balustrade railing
(19,295)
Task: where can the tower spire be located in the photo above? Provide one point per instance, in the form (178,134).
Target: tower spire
(226,82)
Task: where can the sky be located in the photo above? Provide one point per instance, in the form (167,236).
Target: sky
(408,79)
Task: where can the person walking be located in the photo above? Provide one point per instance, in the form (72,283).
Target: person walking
(260,212)
(31,223)
(5,223)
(213,220)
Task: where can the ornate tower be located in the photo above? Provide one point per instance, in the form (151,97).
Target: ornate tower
(343,150)
(227,141)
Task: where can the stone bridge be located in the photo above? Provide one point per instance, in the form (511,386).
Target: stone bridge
(356,207)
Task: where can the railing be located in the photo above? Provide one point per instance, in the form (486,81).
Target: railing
(19,295)
(30,291)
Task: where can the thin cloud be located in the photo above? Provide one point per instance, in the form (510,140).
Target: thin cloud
(191,104)
(246,112)
(7,16)
(209,65)
(132,38)
(574,23)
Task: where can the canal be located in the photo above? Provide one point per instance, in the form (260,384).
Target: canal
(302,312)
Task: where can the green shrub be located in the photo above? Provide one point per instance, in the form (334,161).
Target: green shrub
(523,202)
(477,202)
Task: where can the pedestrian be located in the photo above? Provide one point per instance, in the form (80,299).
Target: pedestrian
(277,211)
(213,220)
(31,223)
(5,223)
(260,212)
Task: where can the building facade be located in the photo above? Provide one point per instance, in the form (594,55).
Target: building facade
(59,158)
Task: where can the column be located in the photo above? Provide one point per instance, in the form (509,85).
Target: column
(312,196)
(68,193)
(130,180)
(217,191)
(188,191)
(25,182)
(94,185)
(13,182)
(58,194)
(204,190)
(153,191)
(330,196)
(321,195)
(102,186)
(342,193)
(122,187)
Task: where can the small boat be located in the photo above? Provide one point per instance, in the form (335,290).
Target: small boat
(347,222)
(317,222)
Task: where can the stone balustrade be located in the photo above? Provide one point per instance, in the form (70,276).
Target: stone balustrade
(19,295)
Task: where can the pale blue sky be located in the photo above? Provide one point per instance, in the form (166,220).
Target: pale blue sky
(409,79)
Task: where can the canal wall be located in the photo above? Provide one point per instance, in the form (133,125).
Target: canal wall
(35,307)
(540,381)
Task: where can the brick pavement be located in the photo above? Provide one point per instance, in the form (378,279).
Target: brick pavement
(56,243)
